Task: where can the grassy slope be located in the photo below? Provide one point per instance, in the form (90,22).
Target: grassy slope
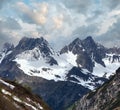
(8,103)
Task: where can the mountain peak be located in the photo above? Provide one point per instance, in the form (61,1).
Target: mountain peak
(76,40)
(89,42)
(89,39)
(7,47)
(30,43)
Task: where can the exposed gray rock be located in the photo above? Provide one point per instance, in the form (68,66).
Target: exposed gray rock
(107,97)
(87,51)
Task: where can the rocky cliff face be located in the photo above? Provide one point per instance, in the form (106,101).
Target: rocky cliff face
(87,52)
(107,97)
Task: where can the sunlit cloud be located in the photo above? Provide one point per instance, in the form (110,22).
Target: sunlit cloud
(58,20)
(61,20)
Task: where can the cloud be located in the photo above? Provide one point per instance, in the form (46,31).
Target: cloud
(80,6)
(2,3)
(32,15)
(112,37)
(59,20)
(9,23)
(8,30)
(111,4)
(4,37)
(108,22)
(85,31)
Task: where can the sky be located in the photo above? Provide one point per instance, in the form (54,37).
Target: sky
(60,21)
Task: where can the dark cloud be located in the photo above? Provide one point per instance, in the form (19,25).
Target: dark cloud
(81,6)
(95,16)
(9,23)
(112,36)
(111,4)
(6,26)
(85,31)
(1,3)
(4,2)
(3,38)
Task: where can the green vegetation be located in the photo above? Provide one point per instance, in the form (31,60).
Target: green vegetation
(7,102)
(27,87)
(72,107)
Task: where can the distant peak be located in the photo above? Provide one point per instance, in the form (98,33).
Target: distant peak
(77,40)
(89,38)
(7,47)
(24,39)
(42,38)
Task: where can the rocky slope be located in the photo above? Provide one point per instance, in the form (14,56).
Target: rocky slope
(15,97)
(107,97)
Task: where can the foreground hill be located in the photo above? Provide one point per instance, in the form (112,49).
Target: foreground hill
(15,97)
(106,97)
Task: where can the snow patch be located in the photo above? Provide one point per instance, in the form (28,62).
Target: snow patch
(6,92)
(3,55)
(40,68)
(110,68)
(27,104)
(70,57)
(7,84)
(83,82)
(36,68)
(17,99)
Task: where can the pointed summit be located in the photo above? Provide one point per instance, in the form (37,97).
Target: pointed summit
(77,40)
(89,38)
(7,47)
(75,47)
(89,42)
(30,43)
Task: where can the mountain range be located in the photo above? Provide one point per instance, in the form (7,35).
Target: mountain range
(62,77)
